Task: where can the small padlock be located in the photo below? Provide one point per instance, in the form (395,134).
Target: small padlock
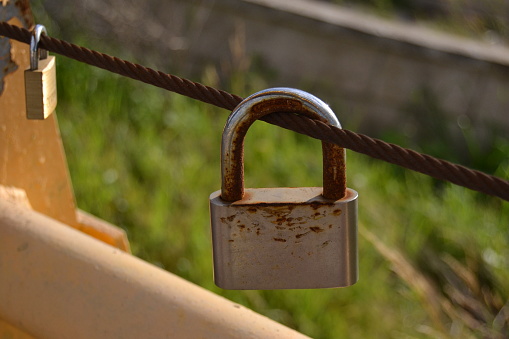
(282,238)
(40,80)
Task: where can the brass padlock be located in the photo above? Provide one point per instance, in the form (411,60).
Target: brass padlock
(282,238)
(40,80)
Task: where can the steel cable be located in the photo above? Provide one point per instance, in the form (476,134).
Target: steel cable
(394,154)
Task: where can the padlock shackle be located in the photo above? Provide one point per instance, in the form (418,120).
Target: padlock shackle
(277,100)
(35,52)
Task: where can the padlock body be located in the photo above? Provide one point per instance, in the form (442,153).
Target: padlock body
(284,238)
(41,89)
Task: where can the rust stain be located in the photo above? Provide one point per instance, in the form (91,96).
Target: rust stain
(278,105)
(257,231)
(230,218)
(298,236)
(279,239)
(319,215)
(325,243)
(280,220)
(337,212)
(315,205)
(269,207)
(334,172)
(316,229)
(231,240)
(241,227)
(349,194)
(330,226)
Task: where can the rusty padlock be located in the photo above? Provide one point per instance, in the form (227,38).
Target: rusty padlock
(282,238)
(40,80)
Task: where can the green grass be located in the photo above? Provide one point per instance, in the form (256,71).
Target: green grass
(147,160)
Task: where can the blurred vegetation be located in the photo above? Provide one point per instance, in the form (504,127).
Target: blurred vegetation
(433,257)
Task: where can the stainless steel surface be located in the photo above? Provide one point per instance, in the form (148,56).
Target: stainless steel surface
(284,238)
(35,52)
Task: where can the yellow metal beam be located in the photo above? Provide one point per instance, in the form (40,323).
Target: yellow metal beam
(32,156)
(7,331)
(57,282)
(31,153)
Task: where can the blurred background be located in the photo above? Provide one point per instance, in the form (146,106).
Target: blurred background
(426,74)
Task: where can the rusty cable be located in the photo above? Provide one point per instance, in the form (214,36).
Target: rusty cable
(134,71)
(394,154)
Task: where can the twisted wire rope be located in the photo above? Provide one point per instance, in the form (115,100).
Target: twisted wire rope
(394,154)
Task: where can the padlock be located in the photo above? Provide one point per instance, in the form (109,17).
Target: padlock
(40,80)
(287,237)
